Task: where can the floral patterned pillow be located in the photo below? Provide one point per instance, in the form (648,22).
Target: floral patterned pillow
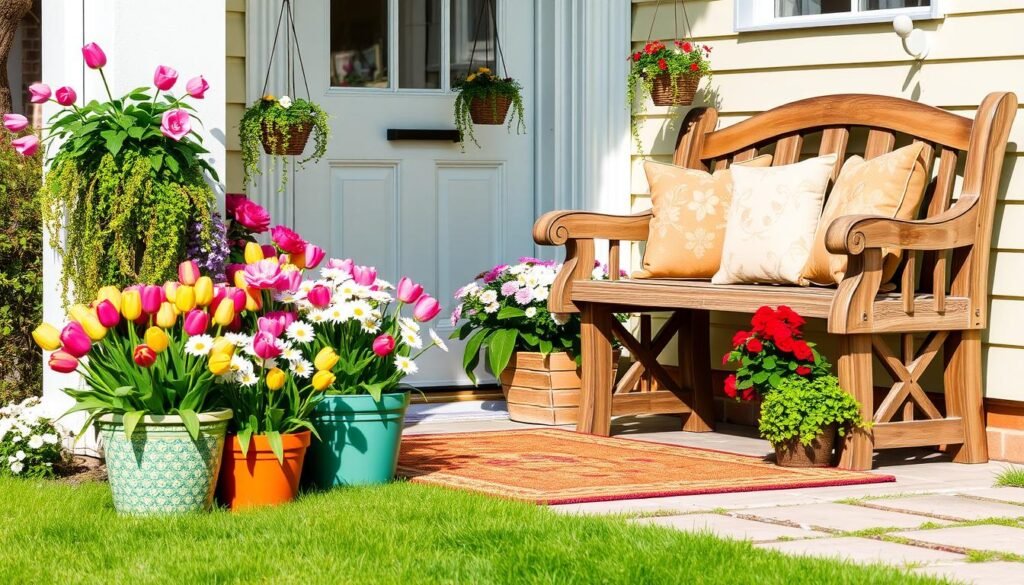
(771,224)
(688,223)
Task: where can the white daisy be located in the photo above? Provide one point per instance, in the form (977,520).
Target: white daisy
(334,274)
(488,296)
(240,364)
(287,298)
(337,313)
(302,368)
(291,354)
(492,308)
(237,339)
(384,285)
(300,331)
(361,310)
(541,293)
(317,316)
(531,312)
(35,442)
(246,378)
(50,439)
(406,365)
(408,324)
(199,345)
(17,467)
(370,326)
(437,340)
(20,455)
(412,340)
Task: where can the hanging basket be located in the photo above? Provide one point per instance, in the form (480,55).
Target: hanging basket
(289,141)
(490,111)
(666,93)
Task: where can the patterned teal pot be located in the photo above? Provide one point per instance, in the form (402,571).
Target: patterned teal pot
(161,470)
(359,440)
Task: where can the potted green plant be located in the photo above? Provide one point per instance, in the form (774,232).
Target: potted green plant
(127,185)
(669,76)
(143,354)
(801,418)
(484,98)
(282,127)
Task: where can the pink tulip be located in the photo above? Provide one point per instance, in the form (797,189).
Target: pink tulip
(273,327)
(152,297)
(269,251)
(219,294)
(95,58)
(263,274)
(285,317)
(288,281)
(26,145)
(197,87)
(39,93)
(15,122)
(65,95)
(231,201)
(384,345)
(188,272)
(238,298)
(408,291)
(265,346)
(196,322)
(165,77)
(175,124)
(314,256)
(342,265)
(364,275)
(232,269)
(74,340)
(319,296)
(107,314)
(288,240)
(63,362)
(426,309)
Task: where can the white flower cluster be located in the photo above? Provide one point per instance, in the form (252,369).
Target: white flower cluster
(26,435)
(531,284)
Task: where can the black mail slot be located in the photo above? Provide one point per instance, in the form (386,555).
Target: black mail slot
(421,134)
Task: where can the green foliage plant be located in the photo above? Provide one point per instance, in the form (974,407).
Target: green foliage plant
(279,116)
(685,59)
(799,408)
(485,86)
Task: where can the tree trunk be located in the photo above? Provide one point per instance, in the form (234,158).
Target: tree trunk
(11,13)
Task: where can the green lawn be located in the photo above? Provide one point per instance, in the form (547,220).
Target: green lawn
(400,533)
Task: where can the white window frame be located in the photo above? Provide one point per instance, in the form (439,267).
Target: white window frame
(756,15)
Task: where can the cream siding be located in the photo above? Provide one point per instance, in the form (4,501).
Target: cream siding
(975,49)
(235,74)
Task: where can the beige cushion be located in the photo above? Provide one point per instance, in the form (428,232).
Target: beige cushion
(772,220)
(688,222)
(891,185)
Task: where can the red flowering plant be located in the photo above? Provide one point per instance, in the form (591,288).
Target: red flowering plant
(772,351)
(683,58)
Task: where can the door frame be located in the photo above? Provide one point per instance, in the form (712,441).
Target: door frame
(581,121)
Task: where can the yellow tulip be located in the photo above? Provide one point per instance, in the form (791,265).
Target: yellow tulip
(131,304)
(166,317)
(223,346)
(79,312)
(219,364)
(225,313)
(171,291)
(47,337)
(93,328)
(156,339)
(275,379)
(204,291)
(239,279)
(112,294)
(323,380)
(326,359)
(253,253)
(185,298)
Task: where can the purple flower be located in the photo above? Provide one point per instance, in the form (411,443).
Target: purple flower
(536,261)
(210,253)
(494,273)
(509,288)
(456,315)
(524,296)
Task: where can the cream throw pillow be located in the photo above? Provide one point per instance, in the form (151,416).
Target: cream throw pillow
(891,185)
(688,222)
(771,224)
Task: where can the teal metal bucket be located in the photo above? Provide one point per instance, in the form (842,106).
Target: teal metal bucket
(359,440)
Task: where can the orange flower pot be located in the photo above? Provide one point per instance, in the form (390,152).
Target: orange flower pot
(258,478)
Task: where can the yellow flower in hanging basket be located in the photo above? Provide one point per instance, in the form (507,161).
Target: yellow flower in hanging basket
(470,77)
(269,98)
(483,70)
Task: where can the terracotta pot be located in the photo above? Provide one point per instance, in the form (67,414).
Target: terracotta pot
(258,478)
(543,389)
(665,92)
(817,454)
(296,136)
(489,111)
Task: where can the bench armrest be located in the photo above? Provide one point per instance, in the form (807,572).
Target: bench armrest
(953,228)
(555,228)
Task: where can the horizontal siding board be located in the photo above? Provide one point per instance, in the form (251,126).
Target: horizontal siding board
(235,43)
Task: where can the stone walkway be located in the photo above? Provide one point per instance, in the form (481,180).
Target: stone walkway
(939,517)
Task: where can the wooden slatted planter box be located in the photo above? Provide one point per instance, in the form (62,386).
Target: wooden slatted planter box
(542,389)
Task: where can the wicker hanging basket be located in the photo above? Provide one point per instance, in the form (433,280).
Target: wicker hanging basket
(666,93)
(285,141)
(490,111)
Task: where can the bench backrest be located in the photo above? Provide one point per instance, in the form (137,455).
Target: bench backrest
(955,146)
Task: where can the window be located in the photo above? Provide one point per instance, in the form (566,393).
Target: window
(408,44)
(754,15)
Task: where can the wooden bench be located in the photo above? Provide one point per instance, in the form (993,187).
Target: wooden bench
(941,294)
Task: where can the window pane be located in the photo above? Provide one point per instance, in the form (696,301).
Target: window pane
(884,4)
(805,7)
(359,43)
(419,44)
(468,24)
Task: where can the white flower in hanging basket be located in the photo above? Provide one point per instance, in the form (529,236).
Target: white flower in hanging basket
(285,101)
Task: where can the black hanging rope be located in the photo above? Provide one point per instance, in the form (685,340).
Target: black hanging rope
(487,5)
(675,18)
(292,44)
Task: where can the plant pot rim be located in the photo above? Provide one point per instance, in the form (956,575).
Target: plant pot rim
(290,441)
(364,394)
(213,416)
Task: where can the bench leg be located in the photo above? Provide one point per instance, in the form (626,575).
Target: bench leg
(595,415)
(855,376)
(964,394)
(695,370)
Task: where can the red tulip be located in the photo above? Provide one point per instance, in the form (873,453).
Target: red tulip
(319,296)
(383,345)
(408,291)
(144,355)
(108,314)
(196,322)
(426,309)
(74,339)
(63,362)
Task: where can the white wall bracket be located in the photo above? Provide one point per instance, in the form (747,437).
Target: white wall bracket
(915,40)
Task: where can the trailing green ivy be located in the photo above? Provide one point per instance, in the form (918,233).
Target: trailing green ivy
(21,274)
(485,86)
(798,409)
(279,115)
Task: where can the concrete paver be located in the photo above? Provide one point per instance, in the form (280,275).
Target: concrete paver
(841,517)
(731,527)
(994,573)
(863,550)
(954,507)
(993,537)
(1002,494)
